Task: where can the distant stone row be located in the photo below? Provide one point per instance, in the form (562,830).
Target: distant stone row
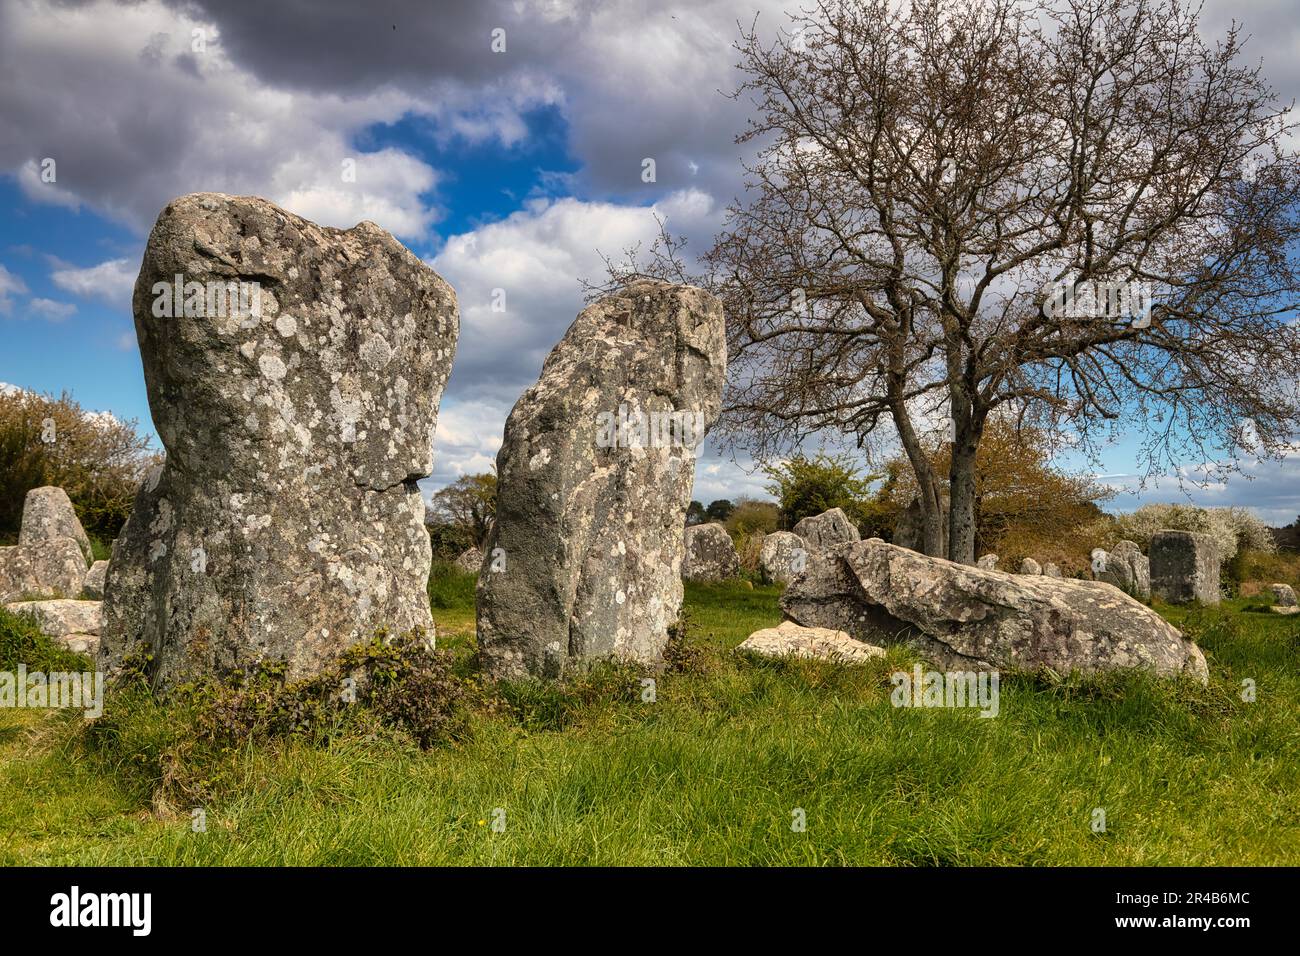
(710,554)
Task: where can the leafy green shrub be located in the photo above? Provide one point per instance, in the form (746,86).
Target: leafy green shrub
(402,682)
(751,517)
(808,486)
(685,653)
(582,695)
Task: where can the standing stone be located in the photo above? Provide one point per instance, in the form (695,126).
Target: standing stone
(1283,595)
(1030,566)
(48,514)
(1126,567)
(783,555)
(94,586)
(470,560)
(298,412)
(829,529)
(709,554)
(988,562)
(592,488)
(1185,567)
(1051,570)
(55,568)
(909,531)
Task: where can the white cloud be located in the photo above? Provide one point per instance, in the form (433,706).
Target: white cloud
(110,282)
(10,285)
(51,310)
(79,79)
(537,257)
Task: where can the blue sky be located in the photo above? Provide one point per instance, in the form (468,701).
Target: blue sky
(503,170)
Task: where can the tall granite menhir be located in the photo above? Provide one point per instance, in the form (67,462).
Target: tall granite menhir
(585,557)
(297,416)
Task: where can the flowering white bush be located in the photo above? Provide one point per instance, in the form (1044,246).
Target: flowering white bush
(1231,528)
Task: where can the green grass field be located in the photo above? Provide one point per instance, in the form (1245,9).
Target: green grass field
(714,771)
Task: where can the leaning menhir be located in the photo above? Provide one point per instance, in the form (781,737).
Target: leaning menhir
(294,373)
(593,480)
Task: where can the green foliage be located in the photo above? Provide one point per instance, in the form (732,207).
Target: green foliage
(97,459)
(1281,567)
(753,518)
(695,513)
(590,773)
(400,681)
(805,486)
(462,513)
(719,510)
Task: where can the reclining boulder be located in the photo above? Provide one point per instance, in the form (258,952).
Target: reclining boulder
(968,617)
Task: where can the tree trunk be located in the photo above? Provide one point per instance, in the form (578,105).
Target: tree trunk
(927,484)
(961,481)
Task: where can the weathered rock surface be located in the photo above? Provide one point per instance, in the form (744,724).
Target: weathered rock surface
(783,555)
(87,644)
(94,584)
(1030,566)
(827,530)
(988,562)
(53,568)
(1126,567)
(968,617)
(470,560)
(1185,567)
(709,554)
(793,640)
(1051,570)
(286,522)
(48,515)
(1283,595)
(62,617)
(591,528)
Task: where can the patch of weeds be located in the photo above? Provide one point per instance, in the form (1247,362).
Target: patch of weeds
(23,642)
(581,695)
(685,653)
(181,749)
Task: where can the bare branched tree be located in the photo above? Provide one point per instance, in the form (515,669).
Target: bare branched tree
(1075,213)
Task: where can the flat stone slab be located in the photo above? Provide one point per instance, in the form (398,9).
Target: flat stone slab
(62,617)
(820,643)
